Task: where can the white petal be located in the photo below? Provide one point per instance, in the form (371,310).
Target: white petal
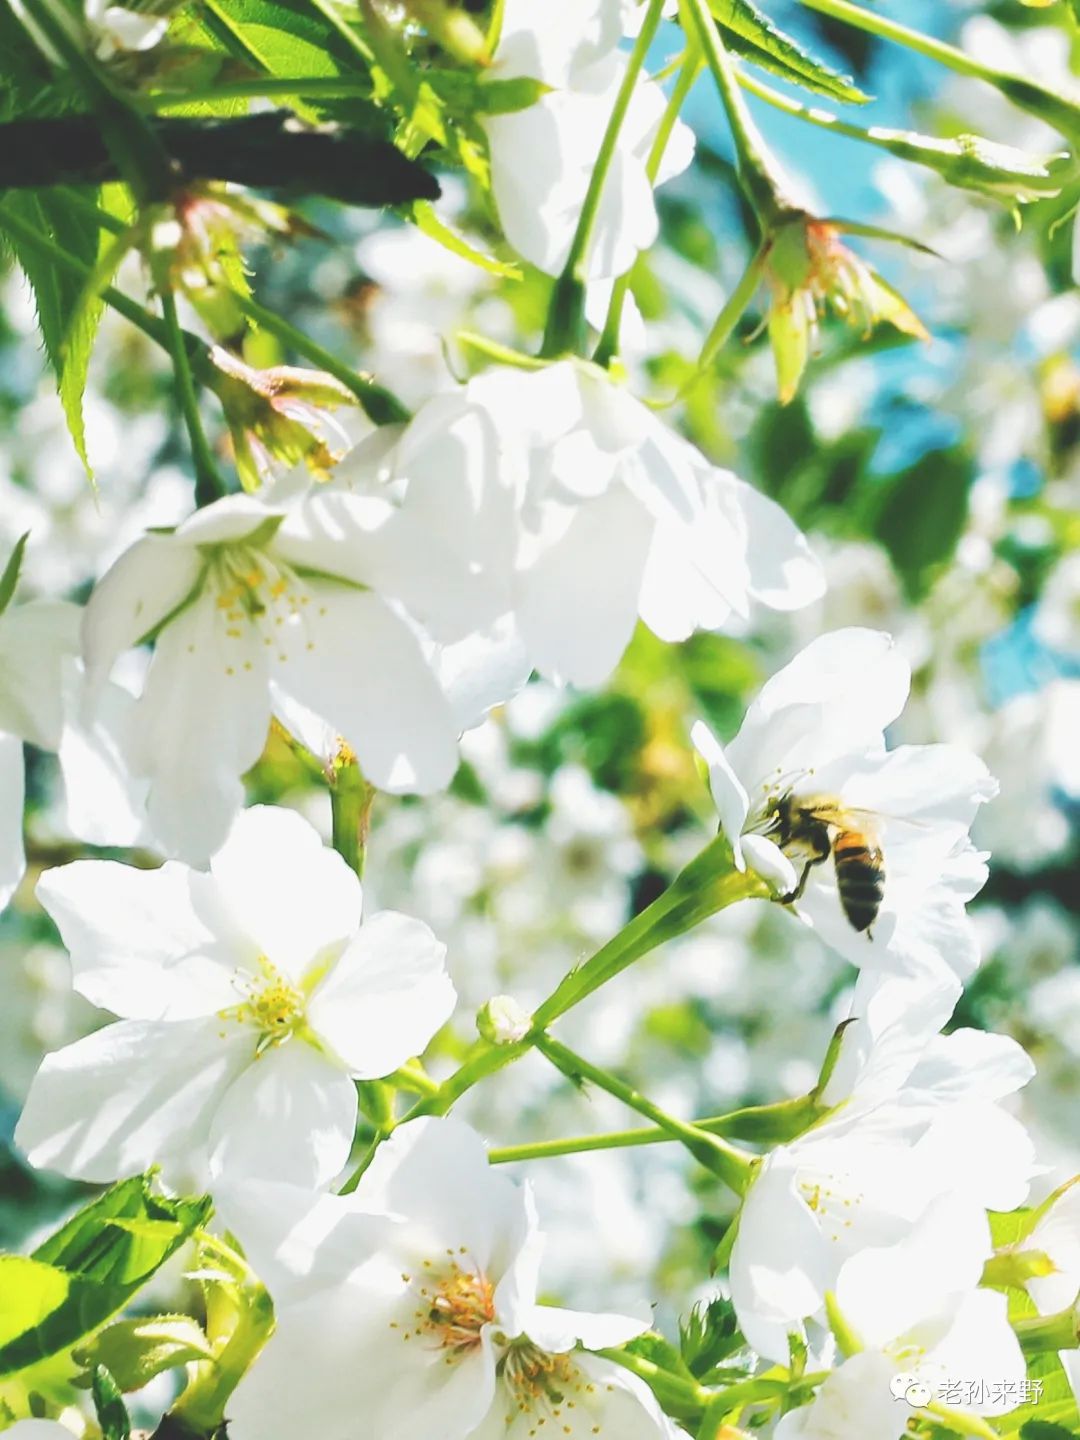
(559,1330)
(894,1019)
(203,721)
(435,1172)
(855,1403)
(291,895)
(834,698)
(538,406)
(982,1350)
(784,573)
(540,170)
(779,1273)
(368,677)
(729,796)
(290,1116)
(132,1095)
(12,785)
(137,944)
(104,803)
(385,998)
(886,1291)
(35,641)
(972,1065)
(483,671)
(147,583)
(1057,1234)
(978,1151)
(232,518)
(578,601)
(303,1242)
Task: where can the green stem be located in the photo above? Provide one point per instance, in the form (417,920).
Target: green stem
(1056,110)
(478,1067)
(673,1391)
(709,883)
(778,1124)
(735,307)
(947,157)
(139,154)
(759,174)
(735,1167)
(351,799)
(608,346)
(380,406)
(565,329)
(209,485)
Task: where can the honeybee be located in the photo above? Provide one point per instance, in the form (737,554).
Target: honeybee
(813,827)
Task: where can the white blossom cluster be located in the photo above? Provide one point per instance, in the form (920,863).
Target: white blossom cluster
(497,552)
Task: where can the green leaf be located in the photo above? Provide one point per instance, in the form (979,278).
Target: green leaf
(1040,1430)
(112,1415)
(134,1351)
(10,577)
(428,222)
(922,514)
(58,295)
(750,33)
(709,1335)
(88,1270)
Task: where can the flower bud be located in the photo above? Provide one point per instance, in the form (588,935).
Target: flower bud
(809,271)
(280,414)
(193,243)
(502,1021)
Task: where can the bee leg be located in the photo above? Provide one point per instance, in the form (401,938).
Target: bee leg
(797,893)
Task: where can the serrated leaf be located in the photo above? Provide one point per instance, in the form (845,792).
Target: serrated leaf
(87,1271)
(749,32)
(134,1351)
(10,578)
(58,294)
(112,1415)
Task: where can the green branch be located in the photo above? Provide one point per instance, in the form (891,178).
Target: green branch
(608,346)
(735,1167)
(777,1124)
(1057,110)
(565,329)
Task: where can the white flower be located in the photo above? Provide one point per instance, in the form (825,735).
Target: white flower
(254,609)
(1057,1235)
(412,1303)
(117,30)
(917,1117)
(250,998)
(618,518)
(542,157)
(916,1309)
(36,640)
(817,730)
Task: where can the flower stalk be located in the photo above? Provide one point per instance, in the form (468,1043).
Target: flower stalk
(708,884)
(565,329)
(735,1167)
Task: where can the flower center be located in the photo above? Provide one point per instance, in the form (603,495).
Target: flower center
(260,599)
(546,1387)
(273,1005)
(453,1306)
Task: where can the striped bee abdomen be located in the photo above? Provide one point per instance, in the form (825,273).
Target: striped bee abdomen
(860,878)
